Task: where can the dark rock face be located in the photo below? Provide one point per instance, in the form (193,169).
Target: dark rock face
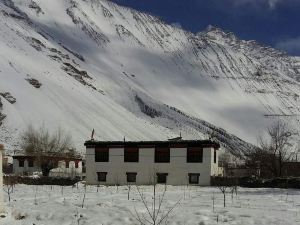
(33,5)
(79,75)
(2,116)
(34,82)
(126,34)
(8,97)
(146,109)
(80,57)
(37,44)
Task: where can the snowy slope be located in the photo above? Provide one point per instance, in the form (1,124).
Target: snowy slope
(126,73)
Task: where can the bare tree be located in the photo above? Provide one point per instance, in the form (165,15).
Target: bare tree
(223,190)
(213,201)
(224,184)
(276,149)
(84,195)
(117,182)
(234,189)
(8,190)
(44,145)
(128,191)
(155,215)
(10,182)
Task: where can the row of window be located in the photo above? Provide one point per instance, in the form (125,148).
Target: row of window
(161,178)
(21,163)
(31,164)
(162,155)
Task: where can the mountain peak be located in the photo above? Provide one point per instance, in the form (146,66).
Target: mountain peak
(218,34)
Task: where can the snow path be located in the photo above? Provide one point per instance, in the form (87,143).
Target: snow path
(110,206)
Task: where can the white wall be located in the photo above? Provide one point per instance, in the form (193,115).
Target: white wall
(214,165)
(26,169)
(146,169)
(63,172)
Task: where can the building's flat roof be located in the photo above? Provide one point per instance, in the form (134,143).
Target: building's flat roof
(151,144)
(48,157)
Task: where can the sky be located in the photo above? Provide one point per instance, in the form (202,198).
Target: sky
(271,22)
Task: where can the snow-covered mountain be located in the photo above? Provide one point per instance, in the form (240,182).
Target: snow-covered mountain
(84,64)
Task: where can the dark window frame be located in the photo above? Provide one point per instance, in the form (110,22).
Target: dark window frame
(100,178)
(215,156)
(30,163)
(131,154)
(190,178)
(133,174)
(162,155)
(102,154)
(194,155)
(161,175)
(21,163)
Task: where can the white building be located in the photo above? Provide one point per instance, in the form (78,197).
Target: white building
(174,162)
(64,167)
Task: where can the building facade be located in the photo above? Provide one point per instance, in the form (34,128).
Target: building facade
(172,162)
(64,167)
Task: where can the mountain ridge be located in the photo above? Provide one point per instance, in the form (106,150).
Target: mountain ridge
(126,73)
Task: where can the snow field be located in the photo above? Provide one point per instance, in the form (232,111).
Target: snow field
(46,205)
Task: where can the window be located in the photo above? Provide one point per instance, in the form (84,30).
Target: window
(131,154)
(215,156)
(76,164)
(194,178)
(161,178)
(83,167)
(194,155)
(67,164)
(131,177)
(30,163)
(101,155)
(21,163)
(101,176)
(162,155)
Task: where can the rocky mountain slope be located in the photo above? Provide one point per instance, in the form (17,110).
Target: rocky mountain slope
(90,64)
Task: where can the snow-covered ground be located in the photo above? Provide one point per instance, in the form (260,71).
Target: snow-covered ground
(41,205)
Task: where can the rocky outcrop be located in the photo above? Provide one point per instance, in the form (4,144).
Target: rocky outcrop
(2,116)
(34,82)
(146,109)
(37,44)
(8,97)
(127,35)
(79,75)
(33,5)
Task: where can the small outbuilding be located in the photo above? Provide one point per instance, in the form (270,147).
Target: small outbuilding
(63,166)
